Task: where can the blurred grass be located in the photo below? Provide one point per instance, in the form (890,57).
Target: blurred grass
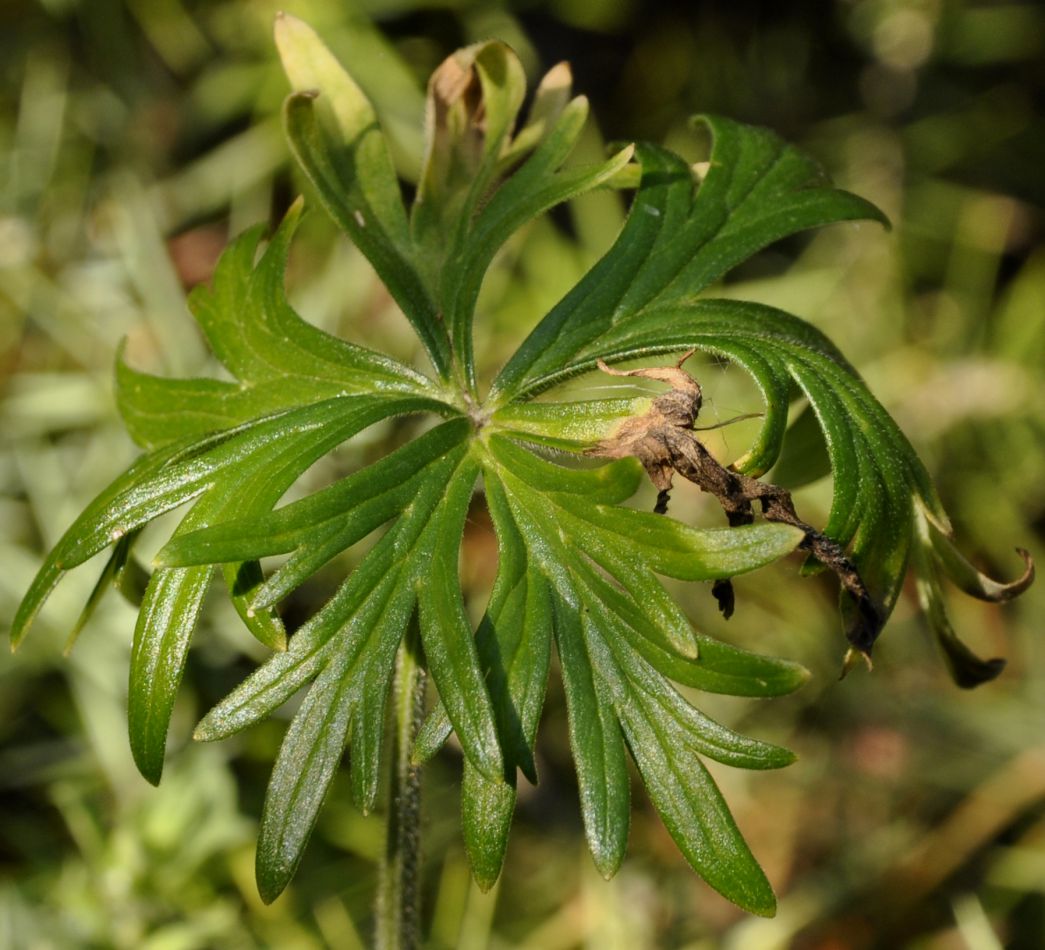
(135,137)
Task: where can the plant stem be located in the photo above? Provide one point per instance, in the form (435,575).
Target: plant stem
(398,889)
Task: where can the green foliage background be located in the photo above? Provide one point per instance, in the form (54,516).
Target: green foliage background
(136,137)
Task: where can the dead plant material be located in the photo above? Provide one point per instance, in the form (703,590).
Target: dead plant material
(663,440)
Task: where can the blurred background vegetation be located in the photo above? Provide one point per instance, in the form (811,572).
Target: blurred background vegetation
(136,136)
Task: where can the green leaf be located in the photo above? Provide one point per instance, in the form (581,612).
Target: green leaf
(514,646)
(590,610)
(313,746)
(680,236)
(50,572)
(336,624)
(343,153)
(265,459)
(244,580)
(347,118)
(576,565)
(514,639)
(635,684)
(552,96)
(694,812)
(174,596)
(464,212)
(158,412)
(352,686)
(935,554)
(340,627)
(168,479)
(961,573)
(486,820)
(351,645)
(537,186)
(473,98)
(329,520)
(659,728)
(166,621)
(488,805)
(717,667)
(446,635)
(595,739)
(803,458)
(877,474)
(966,668)
(122,572)
(280,361)
(627,543)
(565,425)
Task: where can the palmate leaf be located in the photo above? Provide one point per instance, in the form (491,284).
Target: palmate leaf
(681,234)
(590,612)
(578,568)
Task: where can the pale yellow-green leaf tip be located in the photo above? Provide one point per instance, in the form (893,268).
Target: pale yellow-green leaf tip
(853,657)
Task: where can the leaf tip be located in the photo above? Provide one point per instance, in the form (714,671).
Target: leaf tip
(168,556)
(628,149)
(484,880)
(756,898)
(269,890)
(147,758)
(608,858)
(284,21)
(608,865)
(852,658)
(801,674)
(763,908)
(151,774)
(971,676)
(1018,586)
(20,627)
(560,76)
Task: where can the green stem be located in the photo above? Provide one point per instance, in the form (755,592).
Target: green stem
(398,890)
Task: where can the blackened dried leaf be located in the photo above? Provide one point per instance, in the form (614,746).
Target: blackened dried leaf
(663,440)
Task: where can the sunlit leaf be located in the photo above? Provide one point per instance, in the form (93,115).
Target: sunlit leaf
(579,567)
